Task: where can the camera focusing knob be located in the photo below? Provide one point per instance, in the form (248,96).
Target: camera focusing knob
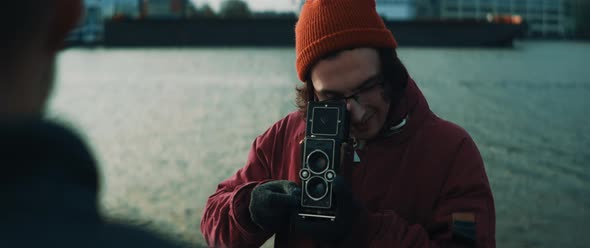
(330,175)
(304,174)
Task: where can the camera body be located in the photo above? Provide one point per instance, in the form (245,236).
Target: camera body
(327,128)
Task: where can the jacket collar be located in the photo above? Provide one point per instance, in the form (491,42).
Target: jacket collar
(406,117)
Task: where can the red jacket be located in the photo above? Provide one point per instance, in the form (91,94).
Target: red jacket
(416,185)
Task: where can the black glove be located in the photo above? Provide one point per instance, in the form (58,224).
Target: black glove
(271,204)
(347,213)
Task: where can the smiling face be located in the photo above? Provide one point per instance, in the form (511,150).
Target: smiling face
(355,75)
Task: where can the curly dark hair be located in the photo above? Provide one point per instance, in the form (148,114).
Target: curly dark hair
(394,73)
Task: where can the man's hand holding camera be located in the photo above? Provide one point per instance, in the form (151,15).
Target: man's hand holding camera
(275,204)
(325,208)
(272,203)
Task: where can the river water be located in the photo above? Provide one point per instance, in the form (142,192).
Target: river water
(167,125)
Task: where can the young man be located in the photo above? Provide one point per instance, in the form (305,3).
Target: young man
(417,180)
(49,178)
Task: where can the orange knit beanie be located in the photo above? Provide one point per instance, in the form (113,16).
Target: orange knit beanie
(326,26)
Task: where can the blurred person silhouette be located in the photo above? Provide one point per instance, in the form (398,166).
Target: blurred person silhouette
(416,180)
(49,178)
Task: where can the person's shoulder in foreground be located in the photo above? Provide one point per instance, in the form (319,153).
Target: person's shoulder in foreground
(50,192)
(49,180)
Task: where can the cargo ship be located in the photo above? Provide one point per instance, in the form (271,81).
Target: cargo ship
(164,23)
(212,32)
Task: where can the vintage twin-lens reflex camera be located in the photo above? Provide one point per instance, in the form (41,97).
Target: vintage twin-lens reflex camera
(327,128)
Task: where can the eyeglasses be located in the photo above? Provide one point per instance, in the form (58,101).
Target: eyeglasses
(361,94)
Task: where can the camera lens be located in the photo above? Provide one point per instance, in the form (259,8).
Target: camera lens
(317,161)
(317,188)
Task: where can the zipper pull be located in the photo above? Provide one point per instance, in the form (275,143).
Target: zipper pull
(357,159)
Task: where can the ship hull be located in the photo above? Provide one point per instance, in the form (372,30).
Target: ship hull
(280,32)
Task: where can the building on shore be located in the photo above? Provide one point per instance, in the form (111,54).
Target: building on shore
(396,9)
(545,18)
(145,9)
(91,27)
(122,9)
(408,9)
(163,9)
